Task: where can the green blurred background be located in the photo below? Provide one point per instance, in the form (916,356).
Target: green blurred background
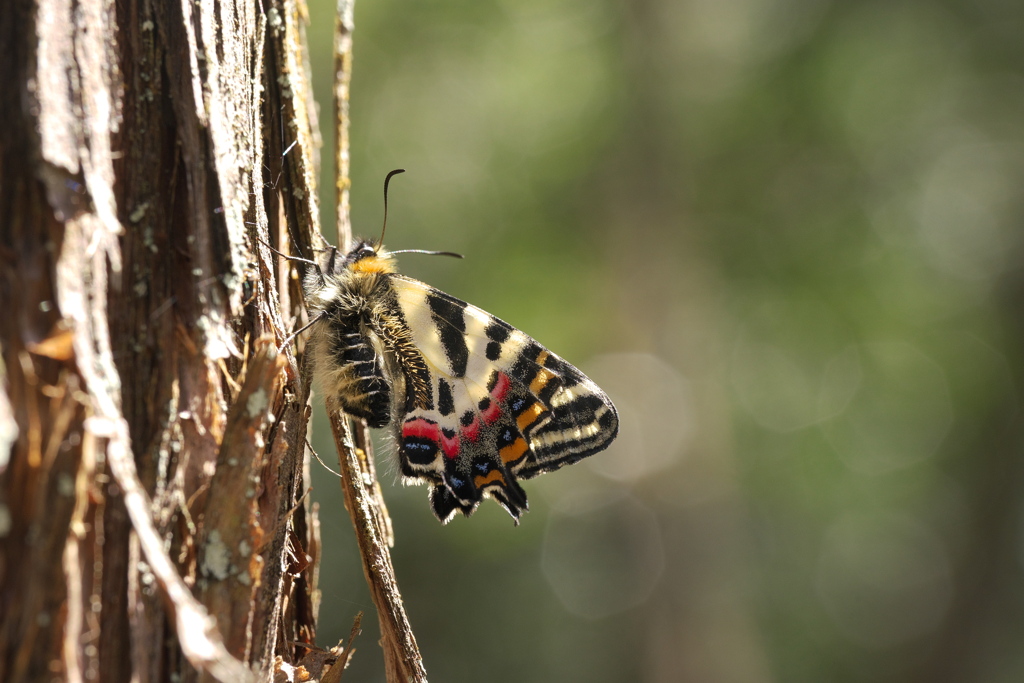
(784,236)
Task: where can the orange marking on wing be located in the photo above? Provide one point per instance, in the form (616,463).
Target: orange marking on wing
(513,451)
(494,477)
(541,380)
(529,416)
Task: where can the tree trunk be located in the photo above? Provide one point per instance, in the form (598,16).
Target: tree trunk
(151,431)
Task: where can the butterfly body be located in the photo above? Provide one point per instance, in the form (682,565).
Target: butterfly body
(474,404)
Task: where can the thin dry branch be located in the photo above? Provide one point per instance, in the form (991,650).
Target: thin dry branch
(342,79)
(402,660)
(363,500)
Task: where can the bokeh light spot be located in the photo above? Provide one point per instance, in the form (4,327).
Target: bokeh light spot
(779,392)
(656,418)
(883,578)
(899,415)
(602,557)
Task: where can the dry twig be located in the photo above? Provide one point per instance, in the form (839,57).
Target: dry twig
(363,501)
(402,660)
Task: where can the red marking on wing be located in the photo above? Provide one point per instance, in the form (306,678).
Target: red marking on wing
(472,431)
(498,393)
(450,446)
(423,429)
(500,387)
(492,413)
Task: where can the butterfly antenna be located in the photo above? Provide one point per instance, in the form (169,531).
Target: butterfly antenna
(428,252)
(384,227)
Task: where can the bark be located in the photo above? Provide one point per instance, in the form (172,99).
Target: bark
(151,430)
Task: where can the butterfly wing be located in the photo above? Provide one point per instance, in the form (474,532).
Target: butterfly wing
(502,407)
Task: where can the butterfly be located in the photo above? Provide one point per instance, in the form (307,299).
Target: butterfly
(474,404)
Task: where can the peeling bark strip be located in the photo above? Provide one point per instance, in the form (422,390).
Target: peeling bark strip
(151,437)
(229,568)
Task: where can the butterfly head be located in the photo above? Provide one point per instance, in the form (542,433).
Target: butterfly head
(368,258)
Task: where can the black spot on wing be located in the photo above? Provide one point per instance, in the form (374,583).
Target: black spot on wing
(507,435)
(445,402)
(498,331)
(418,451)
(493,351)
(449,317)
